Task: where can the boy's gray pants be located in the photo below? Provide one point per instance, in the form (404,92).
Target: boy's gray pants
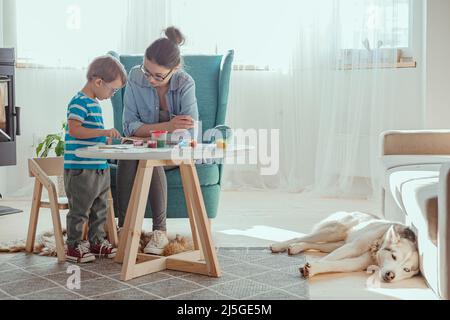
(87,191)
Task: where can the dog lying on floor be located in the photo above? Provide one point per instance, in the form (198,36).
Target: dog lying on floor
(358,242)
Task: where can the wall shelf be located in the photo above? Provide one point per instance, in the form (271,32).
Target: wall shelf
(398,65)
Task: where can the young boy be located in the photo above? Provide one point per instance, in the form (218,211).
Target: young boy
(87,181)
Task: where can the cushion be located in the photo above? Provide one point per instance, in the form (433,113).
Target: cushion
(207,175)
(396,176)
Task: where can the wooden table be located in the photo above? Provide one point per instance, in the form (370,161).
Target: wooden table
(203,259)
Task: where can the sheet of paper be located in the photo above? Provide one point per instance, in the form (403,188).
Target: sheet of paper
(116,147)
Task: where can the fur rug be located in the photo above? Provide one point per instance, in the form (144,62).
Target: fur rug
(45,244)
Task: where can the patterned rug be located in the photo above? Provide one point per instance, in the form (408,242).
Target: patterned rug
(247,274)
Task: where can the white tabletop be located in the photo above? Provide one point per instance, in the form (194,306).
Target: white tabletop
(130,152)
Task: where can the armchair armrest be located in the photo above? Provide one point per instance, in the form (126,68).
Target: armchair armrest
(216,133)
(444,231)
(415,142)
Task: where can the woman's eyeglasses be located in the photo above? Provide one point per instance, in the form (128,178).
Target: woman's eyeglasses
(157,78)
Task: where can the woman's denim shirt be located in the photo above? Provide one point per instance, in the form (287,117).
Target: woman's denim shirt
(141,101)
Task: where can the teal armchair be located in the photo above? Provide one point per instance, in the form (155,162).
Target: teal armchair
(212,78)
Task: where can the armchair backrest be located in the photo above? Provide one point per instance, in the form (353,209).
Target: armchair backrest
(211,74)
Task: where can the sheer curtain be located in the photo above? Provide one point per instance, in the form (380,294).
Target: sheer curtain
(8,23)
(331,86)
(144,22)
(319,71)
(315,70)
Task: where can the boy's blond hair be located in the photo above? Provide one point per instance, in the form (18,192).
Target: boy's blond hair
(106,68)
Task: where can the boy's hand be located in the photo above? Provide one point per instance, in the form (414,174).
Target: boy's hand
(113,133)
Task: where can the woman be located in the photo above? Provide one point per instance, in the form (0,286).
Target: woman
(159,96)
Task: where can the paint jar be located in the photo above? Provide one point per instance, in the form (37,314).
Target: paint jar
(152,144)
(193,144)
(160,137)
(138,143)
(221,144)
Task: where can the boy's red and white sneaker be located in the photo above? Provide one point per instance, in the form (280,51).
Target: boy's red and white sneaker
(103,249)
(79,254)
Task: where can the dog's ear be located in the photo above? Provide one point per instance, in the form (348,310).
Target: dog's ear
(392,237)
(407,233)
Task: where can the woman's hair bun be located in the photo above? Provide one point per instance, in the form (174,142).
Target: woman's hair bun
(174,34)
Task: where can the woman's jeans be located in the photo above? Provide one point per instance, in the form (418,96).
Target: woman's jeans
(126,173)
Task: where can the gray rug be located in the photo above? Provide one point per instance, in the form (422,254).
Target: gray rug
(7,210)
(248,274)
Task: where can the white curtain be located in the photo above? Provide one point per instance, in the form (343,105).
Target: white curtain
(8,23)
(314,85)
(299,78)
(329,107)
(144,23)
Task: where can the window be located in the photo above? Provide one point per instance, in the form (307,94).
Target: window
(260,31)
(271,33)
(265,34)
(369,23)
(67,33)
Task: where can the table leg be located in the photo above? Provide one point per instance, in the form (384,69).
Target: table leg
(134,219)
(111,222)
(190,208)
(193,190)
(203,260)
(126,226)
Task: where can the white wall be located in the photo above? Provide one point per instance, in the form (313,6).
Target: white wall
(437,64)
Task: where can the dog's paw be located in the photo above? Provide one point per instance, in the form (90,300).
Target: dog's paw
(277,248)
(294,249)
(305,270)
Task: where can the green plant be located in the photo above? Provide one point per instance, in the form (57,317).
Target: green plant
(54,141)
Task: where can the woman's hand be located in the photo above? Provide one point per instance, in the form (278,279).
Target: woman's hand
(181,122)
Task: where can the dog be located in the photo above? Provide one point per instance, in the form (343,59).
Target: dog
(357,242)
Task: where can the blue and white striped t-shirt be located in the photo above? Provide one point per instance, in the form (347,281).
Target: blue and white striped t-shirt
(88,112)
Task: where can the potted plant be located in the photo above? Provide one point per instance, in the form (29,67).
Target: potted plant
(53,144)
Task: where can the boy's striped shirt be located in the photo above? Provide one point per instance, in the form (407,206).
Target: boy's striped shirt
(87,111)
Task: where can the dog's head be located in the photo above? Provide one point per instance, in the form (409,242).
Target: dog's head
(397,256)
